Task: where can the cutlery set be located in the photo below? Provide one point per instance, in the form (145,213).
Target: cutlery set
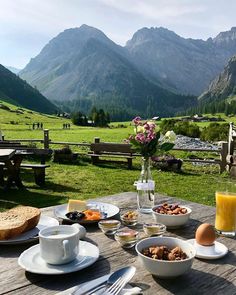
(113,285)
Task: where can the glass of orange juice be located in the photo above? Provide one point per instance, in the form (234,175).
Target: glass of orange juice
(225,221)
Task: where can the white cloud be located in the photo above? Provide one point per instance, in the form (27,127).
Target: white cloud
(156,10)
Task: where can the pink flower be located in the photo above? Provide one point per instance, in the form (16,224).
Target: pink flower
(146,126)
(140,137)
(152,126)
(136,120)
(149,126)
(150,136)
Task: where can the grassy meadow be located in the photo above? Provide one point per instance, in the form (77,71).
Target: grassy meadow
(82,180)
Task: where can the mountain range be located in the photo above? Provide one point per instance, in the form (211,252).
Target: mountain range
(185,65)
(156,73)
(19,92)
(223,86)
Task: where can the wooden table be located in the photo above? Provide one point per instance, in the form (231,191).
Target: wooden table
(12,159)
(205,277)
(6,156)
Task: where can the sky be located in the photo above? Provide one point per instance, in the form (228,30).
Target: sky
(26,26)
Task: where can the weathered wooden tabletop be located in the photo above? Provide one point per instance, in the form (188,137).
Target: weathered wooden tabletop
(205,277)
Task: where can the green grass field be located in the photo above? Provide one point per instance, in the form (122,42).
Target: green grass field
(82,180)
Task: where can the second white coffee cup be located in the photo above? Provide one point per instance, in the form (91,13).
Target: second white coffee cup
(59,244)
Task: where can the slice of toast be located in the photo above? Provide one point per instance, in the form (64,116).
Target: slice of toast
(31,214)
(11,225)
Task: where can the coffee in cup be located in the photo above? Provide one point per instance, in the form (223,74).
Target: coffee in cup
(59,244)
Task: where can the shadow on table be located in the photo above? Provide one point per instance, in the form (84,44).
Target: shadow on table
(229,258)
(12,251)
(61,283)
(207,284)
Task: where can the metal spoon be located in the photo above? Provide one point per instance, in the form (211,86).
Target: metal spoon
(127,271)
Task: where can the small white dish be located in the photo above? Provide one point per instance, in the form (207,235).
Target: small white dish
(31,260)
(217,250)
(108,211)
(31,235)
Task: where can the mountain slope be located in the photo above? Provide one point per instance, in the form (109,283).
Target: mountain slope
(84,66)
(183,65)
(16,91)
(13,70)
(224,85)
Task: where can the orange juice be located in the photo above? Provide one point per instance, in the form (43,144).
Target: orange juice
(225,212)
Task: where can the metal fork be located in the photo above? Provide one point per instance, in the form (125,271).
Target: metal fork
(116,287)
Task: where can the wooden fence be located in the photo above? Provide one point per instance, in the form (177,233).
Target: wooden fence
(225,161)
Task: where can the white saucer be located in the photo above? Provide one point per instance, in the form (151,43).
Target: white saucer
(217,250)
(31,260)
(31,235)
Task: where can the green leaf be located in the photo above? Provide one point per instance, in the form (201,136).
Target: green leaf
(166,146)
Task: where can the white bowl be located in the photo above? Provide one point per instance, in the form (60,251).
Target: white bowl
(164,268)
(172,221)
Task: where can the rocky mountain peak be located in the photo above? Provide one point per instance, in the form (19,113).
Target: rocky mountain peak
(156,34)
(77,36)
(226,37)
(224,85)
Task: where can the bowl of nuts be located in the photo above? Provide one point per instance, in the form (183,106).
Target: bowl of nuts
(129,218)
(166,257)
(172,215)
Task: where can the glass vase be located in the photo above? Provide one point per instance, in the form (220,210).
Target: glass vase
(145,187)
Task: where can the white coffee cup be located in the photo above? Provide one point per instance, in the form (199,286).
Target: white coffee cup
(59,244)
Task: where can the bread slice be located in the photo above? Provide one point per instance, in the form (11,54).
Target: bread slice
(31,214)
(11,225)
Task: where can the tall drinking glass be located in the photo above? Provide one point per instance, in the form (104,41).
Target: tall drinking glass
(225,220)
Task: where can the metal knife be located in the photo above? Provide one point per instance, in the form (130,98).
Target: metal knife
(89,286)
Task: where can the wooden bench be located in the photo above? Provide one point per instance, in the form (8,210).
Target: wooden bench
(111,150)
(14,145)
(39,172)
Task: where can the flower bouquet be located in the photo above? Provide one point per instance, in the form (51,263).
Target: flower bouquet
(147,141)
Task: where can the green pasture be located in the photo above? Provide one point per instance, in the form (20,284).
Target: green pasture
(82,180)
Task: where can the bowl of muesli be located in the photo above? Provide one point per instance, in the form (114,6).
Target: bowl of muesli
(166,257)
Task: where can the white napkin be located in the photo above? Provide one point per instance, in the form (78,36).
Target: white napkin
(131,291)
(128,290)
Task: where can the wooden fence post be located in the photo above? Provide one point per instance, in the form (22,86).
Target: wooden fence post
(223,156)
(46,138)
(96,139)
(230,140)
(45,144)
(95,159)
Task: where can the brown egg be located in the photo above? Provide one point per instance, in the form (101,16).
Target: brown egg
(205,234)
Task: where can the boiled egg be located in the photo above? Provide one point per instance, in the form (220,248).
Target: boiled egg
(205,234)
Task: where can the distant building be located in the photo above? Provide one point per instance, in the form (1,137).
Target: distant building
(156,118)
(201,118)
